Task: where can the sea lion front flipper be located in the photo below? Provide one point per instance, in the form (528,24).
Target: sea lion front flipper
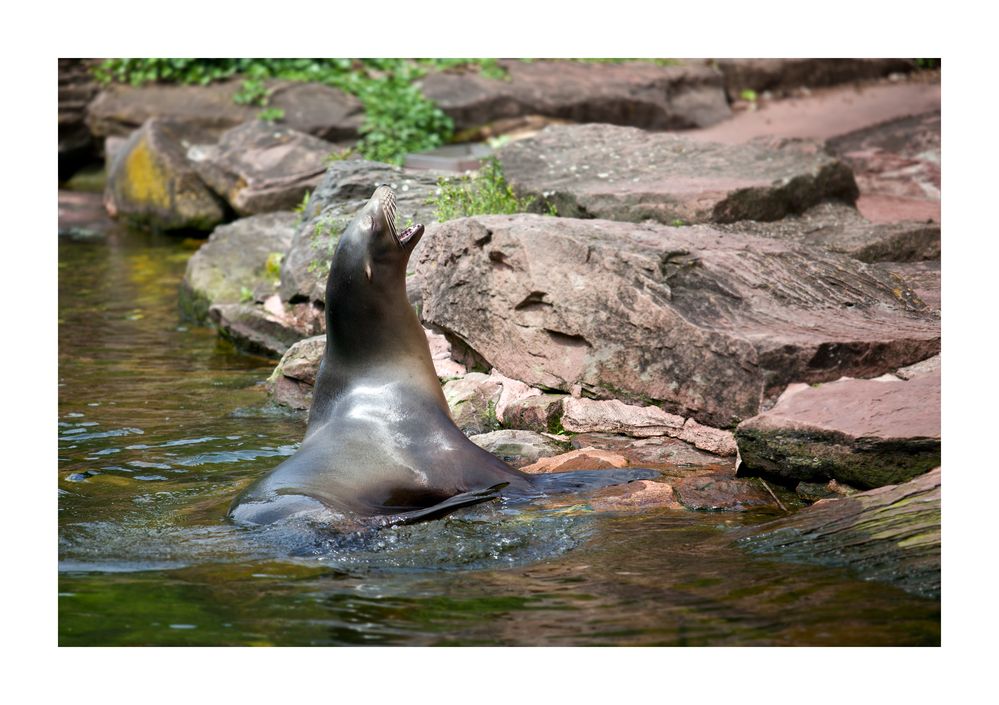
(465,499)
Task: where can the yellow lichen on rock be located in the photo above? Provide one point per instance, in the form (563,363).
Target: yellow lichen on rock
(144,180)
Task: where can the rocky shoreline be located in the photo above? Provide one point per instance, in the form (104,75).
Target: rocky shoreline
(725,313)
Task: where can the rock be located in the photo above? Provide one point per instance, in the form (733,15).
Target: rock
(265,330)
(82,215)
(440,352)
(926,367)
(76,88)
(541,413)
(613,416)
(922,277)
(815,491)
(472,400)
(713,440)
(897,167)
(582,459)
(623,173)
(293,380)
(705,324)
(518,448)
(345,188)
(243,256)
(782,75)
(259,167)
(641,495)
(890,534)
(640,94)
(721,492)
(839,227)
(151,183)
(316,109)
(512,392)
(659,453)
(866,433)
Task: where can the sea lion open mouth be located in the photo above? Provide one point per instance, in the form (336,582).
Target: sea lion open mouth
(408,234)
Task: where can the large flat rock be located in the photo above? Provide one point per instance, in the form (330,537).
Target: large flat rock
(623,173)
(866,433)
(782,75)
(240,257)
(316,109)
(152,184)
(259,167)
(343,190)
(897,167)
(705,324)
(639,94)
(839,227)
(890,534)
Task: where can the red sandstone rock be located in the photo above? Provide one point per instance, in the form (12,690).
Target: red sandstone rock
(640,94)
(709,325)
(721,492)
(866,433)
(582,459)
(623,173)
(641,495)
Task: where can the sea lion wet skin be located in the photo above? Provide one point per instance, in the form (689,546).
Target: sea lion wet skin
(380,441)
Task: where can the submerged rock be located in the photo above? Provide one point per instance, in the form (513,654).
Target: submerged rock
(237,260)
(707,325)
(259,167)
(640,94)
(889,534)
(151,183)
(721,493)
(866,433)
(638,496)
(623,173)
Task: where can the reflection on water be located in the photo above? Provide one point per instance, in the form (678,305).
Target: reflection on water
(161,424)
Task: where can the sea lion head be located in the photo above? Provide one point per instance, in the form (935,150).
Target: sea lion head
(373,243)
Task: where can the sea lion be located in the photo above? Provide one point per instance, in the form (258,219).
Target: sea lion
(380,441)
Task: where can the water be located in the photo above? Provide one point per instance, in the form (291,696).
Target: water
(161,424)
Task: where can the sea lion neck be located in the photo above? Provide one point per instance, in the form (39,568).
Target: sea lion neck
(369,320)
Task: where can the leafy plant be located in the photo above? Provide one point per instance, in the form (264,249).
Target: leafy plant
(487,192)
(271,114)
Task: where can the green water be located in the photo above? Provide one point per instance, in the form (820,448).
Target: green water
(161,424)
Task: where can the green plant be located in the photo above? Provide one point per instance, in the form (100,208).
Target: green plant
(748,94)
(271,114)
(484,193)
(253,92)
(245,295)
